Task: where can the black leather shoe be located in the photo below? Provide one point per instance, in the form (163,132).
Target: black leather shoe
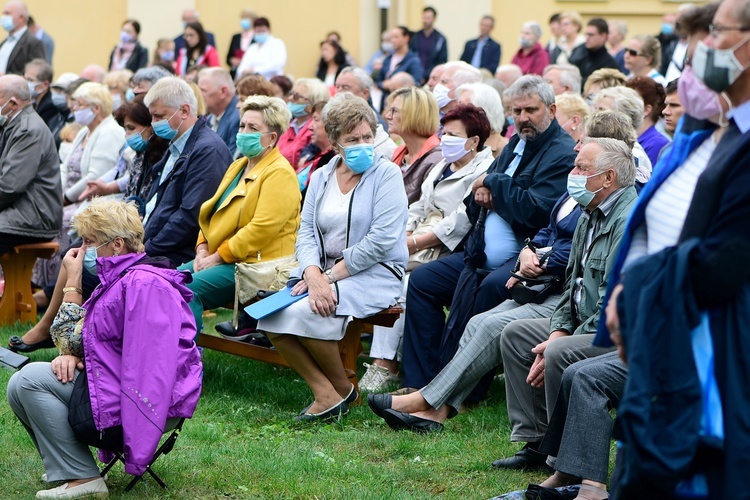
(245,328)
(378,403)
(527,458)
(15,344)
(398,420)
(335,412)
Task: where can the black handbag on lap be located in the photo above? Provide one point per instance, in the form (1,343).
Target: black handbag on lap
(81,419)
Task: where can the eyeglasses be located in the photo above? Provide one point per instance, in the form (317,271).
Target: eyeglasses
(633,52)
(392,110)
(715,30)
(299,97)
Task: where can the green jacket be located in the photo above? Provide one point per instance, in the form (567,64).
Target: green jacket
(601,258)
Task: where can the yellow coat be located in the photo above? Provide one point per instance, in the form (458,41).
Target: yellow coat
(260,218)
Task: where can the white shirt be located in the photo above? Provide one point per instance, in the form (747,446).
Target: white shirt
(267,59)
(7,48)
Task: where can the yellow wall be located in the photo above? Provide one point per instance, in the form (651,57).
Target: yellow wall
(86,30)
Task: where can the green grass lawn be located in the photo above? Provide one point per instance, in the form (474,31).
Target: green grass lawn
(243,443)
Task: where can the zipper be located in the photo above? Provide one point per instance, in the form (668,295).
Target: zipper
(394,270)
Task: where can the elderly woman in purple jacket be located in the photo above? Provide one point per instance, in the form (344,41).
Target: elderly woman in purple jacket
(140,384)
(351,250)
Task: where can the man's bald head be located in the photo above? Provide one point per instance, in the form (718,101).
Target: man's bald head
(18,12)
(14,86)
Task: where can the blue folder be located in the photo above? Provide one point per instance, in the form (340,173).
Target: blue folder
(276,302)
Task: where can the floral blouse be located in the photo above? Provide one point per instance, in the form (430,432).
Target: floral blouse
(67,329)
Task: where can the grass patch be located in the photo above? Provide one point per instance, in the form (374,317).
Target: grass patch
(243,443)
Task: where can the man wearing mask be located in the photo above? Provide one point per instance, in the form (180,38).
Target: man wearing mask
(188,175)
(21,46)
(429,44)
(38,75)
(30,201)
(668,39)
(531,56)
(455,74)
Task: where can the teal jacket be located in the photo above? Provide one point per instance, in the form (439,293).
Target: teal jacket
(599,264)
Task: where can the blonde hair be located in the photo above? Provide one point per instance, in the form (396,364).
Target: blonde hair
(200,104)
(344,113)
(107,219)
(606,78)
(572,105)
(118,80)
(650,47)
(69,131)
(276,114)
(420,114)
(95,94)
(574,16)
(611,124)
(318,90)
(626,101)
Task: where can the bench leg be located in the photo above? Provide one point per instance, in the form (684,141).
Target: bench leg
(350,347)
(18,302)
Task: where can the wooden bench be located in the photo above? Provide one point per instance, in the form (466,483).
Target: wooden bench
(17,302)
(349,346)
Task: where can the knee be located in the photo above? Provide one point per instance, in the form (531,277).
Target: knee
(511,333)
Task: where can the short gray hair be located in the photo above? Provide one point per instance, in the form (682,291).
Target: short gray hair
(344,112)
(621,26)
(173,93)
(529,85)
(219,77)
(150,75)
(534,27)
(15,86)
(570,76)
(626,101)
(365,81)
(617,156)
(485,97)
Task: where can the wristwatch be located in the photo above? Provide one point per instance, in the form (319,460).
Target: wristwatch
(329,273)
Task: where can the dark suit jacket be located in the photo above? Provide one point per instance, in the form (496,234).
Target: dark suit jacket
(589,61)
(52,116)
(235,50)
(490,54)
(172,228)
(27,48)
(179,42)
(138,59)
(228,125)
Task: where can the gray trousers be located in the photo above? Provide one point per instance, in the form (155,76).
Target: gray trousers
(40,402)
(529,408)
(479,351)
(581,427)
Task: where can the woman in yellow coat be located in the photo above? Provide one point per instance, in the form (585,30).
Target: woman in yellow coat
(255,213)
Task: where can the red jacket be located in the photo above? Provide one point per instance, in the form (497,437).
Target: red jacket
(292,143)
(532,63)
(209,58)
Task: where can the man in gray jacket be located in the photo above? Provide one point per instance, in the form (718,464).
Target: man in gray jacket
(30,192)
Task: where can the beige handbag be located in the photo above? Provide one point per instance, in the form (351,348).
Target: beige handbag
(249,277)
(428,254)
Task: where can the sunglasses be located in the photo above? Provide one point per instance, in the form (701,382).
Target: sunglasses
(633,52)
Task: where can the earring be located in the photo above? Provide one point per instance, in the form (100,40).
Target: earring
(116,253)
(574,129)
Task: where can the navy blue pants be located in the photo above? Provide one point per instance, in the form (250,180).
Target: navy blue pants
(431,339)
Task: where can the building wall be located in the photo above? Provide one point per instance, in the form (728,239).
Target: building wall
(85,31)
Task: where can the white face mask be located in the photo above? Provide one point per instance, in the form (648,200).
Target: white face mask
(441,94)
(453,148)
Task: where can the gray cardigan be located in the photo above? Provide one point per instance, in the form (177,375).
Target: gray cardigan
(376,252)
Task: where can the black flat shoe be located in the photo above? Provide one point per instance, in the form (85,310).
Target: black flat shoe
(378,403)
(15,344)
(227,331)
(352,397)
(398,420)
(335,412)
(527,458)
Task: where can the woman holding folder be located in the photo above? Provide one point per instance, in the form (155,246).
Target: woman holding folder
(352,252)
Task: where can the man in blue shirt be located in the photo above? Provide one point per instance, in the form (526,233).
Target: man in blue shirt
(483,52)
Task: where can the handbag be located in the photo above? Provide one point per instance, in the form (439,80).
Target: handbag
(251,277)
(428,254)
(534,290)
(81,419)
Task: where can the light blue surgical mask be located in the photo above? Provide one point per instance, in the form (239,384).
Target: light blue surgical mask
(578,191)
(3,118)
(129,95)
(84,116)
(164,130)
(359,157)
(261,37)
(245,24)
(168,55)
(667,29)
(297,109)
(89,259)
(136,142)
(7,23)
(32,89)
(510,120)
(60,100)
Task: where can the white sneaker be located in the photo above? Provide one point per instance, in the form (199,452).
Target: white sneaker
(94,489)
(44,477)
(377,378)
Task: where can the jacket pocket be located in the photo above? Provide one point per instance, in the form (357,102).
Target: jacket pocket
(398,273)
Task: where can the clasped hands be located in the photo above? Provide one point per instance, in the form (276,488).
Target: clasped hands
(64,367)
(529,266)
(203,260)
(536,373)
(482,195)
(322,297)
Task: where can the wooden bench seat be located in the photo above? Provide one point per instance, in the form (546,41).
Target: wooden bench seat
(349,346)
(17,302)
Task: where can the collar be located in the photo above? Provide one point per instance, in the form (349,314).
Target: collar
(518,150)
(110,268)
(605,207)
(543,139)
(18,34)
(176,147)
(741,116)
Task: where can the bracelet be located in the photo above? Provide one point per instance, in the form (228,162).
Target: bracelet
(72,289)
(414,240)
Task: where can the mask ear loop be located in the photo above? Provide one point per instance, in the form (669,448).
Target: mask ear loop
(723,120)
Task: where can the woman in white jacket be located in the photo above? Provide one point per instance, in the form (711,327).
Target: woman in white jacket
(437,221)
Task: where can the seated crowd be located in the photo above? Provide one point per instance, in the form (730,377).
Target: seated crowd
(565,219)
